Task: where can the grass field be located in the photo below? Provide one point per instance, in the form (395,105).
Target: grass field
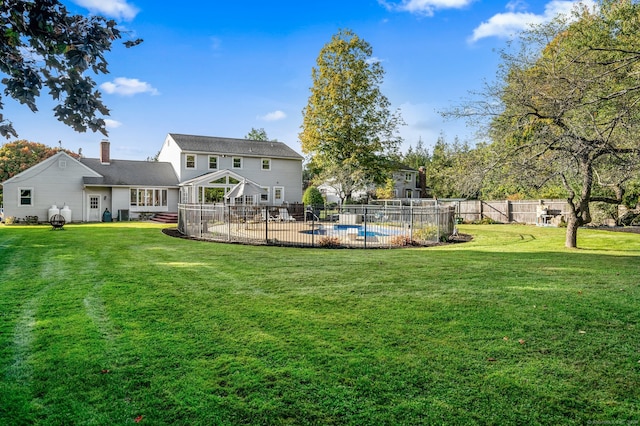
(118,323)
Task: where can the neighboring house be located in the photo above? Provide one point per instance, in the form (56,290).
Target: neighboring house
(208,167)
(406,186)
(190,169)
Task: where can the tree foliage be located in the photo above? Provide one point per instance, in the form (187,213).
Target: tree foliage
(452,170)
(42,45)
(416,157)
(312,197)
(387,191)
(568,108)
(258,135)
(18,156)
(347,124)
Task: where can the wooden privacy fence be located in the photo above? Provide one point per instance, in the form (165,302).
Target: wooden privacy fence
(505,211)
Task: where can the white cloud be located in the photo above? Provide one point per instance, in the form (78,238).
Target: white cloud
(112,124)
(511,22)
(273,116)
(128,87)
(118,9)
(424,7)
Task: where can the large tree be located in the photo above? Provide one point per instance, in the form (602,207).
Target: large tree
(568,107)
(43,45)
(348,130)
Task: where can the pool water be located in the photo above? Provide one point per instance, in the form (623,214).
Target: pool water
(337,230)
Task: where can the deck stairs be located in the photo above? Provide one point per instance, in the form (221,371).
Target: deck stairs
(165,217)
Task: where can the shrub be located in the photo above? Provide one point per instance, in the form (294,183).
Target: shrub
(485,221)
(401,241)
(329,242)
(10,220)
(426,233)
(312,197)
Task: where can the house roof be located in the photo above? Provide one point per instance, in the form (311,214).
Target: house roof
(128,172)
(245,147)
(42,165)
(403,167)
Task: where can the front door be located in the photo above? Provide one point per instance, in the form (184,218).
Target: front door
(94,208)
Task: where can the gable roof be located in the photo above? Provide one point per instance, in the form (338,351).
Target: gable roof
(245,147)
(44,164)
(212,176)
(128,172)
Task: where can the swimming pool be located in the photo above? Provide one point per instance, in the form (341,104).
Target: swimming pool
(358,230)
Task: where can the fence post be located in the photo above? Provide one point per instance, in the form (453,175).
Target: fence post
(364,217)
(411,224)
(438,223)
(229,223)
(266,224)
(313,227)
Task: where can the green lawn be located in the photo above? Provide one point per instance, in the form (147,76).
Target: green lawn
(117,323)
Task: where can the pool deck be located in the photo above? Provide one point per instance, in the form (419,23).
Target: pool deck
(294,233)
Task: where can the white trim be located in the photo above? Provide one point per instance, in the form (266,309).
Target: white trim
(186,160)
(262,160)
(277,200)
(233,161)
(89,218)
(163,198)
(267,193)
(217,162)
(31,196)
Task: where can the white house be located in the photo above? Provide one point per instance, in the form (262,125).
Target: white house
(406,186)
(208,167)
(197,169)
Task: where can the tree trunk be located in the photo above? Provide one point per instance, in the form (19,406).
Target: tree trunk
(571,238)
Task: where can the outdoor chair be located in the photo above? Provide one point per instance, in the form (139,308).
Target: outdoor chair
(285,216)
(266,217)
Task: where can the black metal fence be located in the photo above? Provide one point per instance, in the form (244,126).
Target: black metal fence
(355,226)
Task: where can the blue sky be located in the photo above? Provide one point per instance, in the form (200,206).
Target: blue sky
(220,68)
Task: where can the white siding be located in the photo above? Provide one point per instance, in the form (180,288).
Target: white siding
(170,153)
(52,184)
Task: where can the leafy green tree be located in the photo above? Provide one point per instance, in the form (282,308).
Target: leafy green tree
(258,135)
(312,197)
(348,131)
(416,157)
(43,45)
(564,112)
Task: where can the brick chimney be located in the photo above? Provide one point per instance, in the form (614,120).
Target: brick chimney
(104,152)
(422,181)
